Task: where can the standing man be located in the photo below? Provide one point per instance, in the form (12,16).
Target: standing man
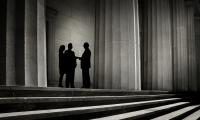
(85,65)
(70,60)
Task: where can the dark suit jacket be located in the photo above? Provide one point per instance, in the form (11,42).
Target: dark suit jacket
(70,60)
(85,59)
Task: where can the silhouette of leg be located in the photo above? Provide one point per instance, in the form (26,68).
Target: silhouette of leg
(83,75)
(60,80)
(72,78)
(87,78)
(67,80)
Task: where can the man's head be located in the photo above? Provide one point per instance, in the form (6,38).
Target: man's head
(86,45)
(70,46)
(62,48)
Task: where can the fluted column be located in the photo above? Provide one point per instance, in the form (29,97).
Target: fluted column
(10,42)
(180,47)
(3,10)
(169,46)
(23,42)
(7,42)
(35,43)
(100,44)
(41,44)
(116,47)
(197,41)
(30,42)
(192,63)
(117,60)
(158,42)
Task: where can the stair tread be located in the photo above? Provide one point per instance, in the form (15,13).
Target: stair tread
(140,112)
(76,89)
(18,91)
(193,116)
(78,110)
(176,113)
(7,100)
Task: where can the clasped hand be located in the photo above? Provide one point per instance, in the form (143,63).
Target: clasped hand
(78,58)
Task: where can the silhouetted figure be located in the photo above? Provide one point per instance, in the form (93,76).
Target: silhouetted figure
(70,60)
(61,64)
(85,65)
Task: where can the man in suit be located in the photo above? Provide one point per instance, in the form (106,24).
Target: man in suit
(70,60)
(85,65)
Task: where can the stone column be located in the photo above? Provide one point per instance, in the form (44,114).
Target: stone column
(41,44)
(30,43)
(7,45)
(116,48)
(108,45)
(19,43)
(197,41)
(118,44)
(169,46)
(192,63)
(157,40)
(100,44)
(3,19)
(24,43)
(10,43)
(180,48)
(35,43)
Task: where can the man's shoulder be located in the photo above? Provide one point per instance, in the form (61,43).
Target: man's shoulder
(69,51)
(72,52)
(89,51)
(66,51)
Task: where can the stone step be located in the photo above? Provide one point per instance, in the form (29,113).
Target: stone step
(140,114)
(14,104)
(176,114)
(92,111)
(194,116)
(16,91)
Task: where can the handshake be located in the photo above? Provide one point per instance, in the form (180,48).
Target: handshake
(78,58)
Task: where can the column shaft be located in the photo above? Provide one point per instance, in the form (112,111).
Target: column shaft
(10,43)
(119,45)
(180,46)
(41,44)
(197,42)
(19,43)
(3,19)
(116,39)
(192,63)
(31,43)
(101,43)
(25,44)
(157,41)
